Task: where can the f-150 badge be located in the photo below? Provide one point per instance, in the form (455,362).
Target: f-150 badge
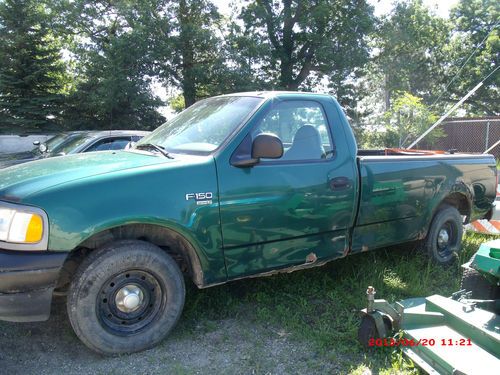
(200,198)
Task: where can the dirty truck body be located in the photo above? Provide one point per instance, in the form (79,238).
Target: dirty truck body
(224,203)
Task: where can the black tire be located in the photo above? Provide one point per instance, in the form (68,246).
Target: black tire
(448,220)
(473,281)
(125,297)
(368,330)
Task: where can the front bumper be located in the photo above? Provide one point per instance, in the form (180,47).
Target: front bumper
(27,280)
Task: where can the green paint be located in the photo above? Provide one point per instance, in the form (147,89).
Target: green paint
(487,260)
(263,218)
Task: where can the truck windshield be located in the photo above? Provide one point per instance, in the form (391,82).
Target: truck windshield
(202,128)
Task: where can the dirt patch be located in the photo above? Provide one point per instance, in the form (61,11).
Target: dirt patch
(230,346)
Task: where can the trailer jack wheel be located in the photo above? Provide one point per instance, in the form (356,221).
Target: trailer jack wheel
(368,331)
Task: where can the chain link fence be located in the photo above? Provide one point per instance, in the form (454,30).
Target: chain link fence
(469,135)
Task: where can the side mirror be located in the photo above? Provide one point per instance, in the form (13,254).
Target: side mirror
(36,143)
(42,147)
(267,146)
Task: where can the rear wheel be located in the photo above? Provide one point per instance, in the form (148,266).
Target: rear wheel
(444,238)
(125,297)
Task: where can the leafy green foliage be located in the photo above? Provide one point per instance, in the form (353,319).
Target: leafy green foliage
(411,41)
(113,88)
(427,57)
(293,44)
(476,29)
(177,103)
(407,119)
(91,64)
(187,48)
(33,77)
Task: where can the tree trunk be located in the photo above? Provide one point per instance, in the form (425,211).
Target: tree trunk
(286,78)
(188,76)
(387,94)
(189,95)
(286,65)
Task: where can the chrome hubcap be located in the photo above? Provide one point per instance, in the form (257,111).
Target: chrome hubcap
(443,238)
(129,298)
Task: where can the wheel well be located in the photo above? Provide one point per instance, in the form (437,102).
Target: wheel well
(460,202)
(169,240)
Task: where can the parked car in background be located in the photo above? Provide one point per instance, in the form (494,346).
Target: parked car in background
(54,141)
(40,149)
(74,143)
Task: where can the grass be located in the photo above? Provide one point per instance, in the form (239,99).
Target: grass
(318,307)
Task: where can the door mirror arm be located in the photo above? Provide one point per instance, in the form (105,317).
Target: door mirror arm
(244,163)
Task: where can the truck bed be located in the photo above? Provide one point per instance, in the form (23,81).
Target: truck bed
(399,191)
(404,152)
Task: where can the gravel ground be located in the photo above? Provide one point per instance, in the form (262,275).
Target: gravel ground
(229,346)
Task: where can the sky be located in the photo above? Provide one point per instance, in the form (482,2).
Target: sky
(442,7)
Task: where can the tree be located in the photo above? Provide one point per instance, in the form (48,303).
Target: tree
(476,34)
(411,41)
(33,76)
(410,54)
(186,47)
(194,44)
(301,41)
(407,119)
(114,65)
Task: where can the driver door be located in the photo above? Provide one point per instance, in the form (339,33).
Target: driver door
(295,210)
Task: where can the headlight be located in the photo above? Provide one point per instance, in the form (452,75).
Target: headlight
(22,227)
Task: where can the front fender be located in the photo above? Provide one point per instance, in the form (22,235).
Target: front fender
(162,233)
(154,195)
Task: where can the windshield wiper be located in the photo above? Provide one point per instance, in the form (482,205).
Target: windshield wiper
(157,148)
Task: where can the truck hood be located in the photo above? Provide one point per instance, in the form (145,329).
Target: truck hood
(19,181)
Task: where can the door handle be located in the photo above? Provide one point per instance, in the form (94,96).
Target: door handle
(340,183)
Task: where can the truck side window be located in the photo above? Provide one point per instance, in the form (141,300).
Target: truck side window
(302,127)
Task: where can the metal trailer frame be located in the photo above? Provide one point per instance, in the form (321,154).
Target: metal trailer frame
(455,335)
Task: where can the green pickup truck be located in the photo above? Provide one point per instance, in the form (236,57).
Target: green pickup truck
(235,186)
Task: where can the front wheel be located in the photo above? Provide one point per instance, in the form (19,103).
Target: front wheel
(444,239)
(125,297)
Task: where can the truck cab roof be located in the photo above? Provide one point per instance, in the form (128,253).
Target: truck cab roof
(272,94)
